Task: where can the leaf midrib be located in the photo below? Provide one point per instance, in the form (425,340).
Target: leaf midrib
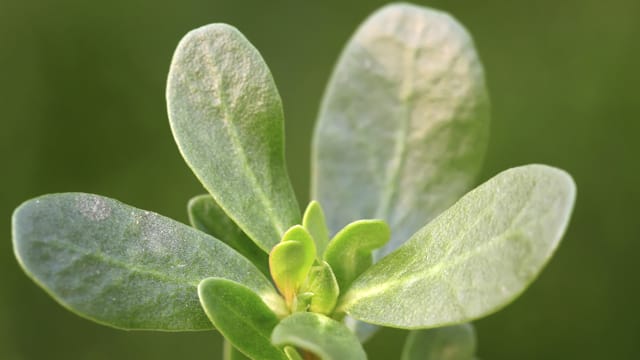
(154,274)
(405,96)
(244,163)
(437,268)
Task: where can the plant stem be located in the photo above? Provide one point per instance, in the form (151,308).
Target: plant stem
(307,355)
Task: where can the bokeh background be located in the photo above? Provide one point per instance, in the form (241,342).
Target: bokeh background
(82,109)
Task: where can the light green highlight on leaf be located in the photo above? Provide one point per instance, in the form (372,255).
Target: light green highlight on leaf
(322,283)
(403,125)
(350,252)
(205,215)
(290,262)
(473,259)
(323,336)
(227,119)
(313,220)
(457,342)
(121,266)
(241,316)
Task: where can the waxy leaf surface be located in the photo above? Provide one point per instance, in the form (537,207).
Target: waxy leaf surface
(122,266)
(314,221)
(323,336)
(205,215)
(474,258)
(322,283)
(350,252)
(300,234)
(403,126)
(226,116)
(241,316)
(290,262)
(457,342)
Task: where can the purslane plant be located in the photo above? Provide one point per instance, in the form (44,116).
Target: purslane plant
(401,136)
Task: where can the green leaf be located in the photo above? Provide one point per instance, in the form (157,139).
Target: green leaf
(349,252)
(323,336)
(241,316)
(322,283)
(205,215)
(301,235)
(473,259)
(290,262)
(313,220)
(121,266)
(456,342)
(226,116)
(231,353)
(403,126)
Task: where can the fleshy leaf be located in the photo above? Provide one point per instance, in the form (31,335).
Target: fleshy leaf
(403,125)
(301,235)
(241,316)
(350,252)
(473,259)
(313,220)
(121,266)
(205,215)
(323,336)
(226,116)
(231,353)
(322,283)
(290,262)
(457,342)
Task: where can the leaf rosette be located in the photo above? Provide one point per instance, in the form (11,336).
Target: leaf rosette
(400,139)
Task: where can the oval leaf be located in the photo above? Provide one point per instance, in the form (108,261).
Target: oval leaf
(473,259)
(322,283)
(403,126)
(323,336)
(290,262)
(313,220)
(121,266)
(207,216)
(241,316)
(301,235)
(226,116)
(457,342)
(349,252)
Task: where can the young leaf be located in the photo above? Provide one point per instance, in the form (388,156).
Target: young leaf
(474,258)
(290,262)
(121,266)
(323,336)
(241,316)
(457,342)
(301,235)
(322,283)
(229,352)
(313,220)
(226,116)
(403,125)
(349,252)
(205,215)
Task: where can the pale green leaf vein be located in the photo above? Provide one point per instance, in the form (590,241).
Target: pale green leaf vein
(233,136)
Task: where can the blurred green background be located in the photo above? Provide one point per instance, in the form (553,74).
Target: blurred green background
(82,109)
